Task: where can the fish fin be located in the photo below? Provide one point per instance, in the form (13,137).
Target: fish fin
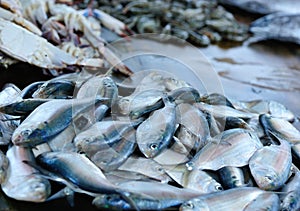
(65,192)
(126,196)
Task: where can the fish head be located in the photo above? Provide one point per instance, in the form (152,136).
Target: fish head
(194,205)
(150,150)
(213,186)
(29,135)
(34,189)
(266,178)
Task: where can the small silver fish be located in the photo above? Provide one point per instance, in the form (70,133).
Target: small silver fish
(232,147)
(140,103)
(278,26)
(116,202)
(113,157)
(48,119)
(22,107)
(284,129)
(77,169)
(159,190)
(55,89)
(222,111)
(232,177)
(232,199)
(271,107)
(146,167)
(25,184)
(101,135)
(99,85)
(265,201)
(290,196)
(270,165)
(194,121)
(200,181)
(155,133)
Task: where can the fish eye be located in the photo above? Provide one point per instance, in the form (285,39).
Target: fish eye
(160,169)
(269,178)
(189,205)
(153,146)
(219,187)
(87,140)
(26,132)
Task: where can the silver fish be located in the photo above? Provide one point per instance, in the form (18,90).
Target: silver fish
(113,157)
(58,89)
(140,103)
(184,95)
(200,181)
(271,107)
(172,83)
(155,133)
(232,199)
(25,184)
(193,121)
(3,167)
(116,202)
(22,107)
(232,177)
(48,120)
(101,135)
(290,196)
(265,201)
(119,176)
(100,85)
(216,99)
(278,26)
(270,165)
(230,148)
(146,167)
(284,129)
(170,157)
(235,122)
(28,91)
(77,169)
(158,190)
(222,111)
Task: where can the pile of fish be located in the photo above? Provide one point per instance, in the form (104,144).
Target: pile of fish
(199,22)
(204,22)
(161,145)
